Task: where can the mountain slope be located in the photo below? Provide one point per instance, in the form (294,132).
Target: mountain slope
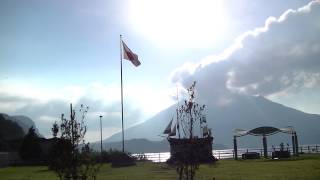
(10,130)
(150,129)
(23,121)
(251,112)
(245,112)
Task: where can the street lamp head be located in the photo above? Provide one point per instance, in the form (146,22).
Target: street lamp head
(100,116)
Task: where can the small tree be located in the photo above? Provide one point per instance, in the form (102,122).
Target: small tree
(30,150)
(71,156)
(190,114)
(186,164)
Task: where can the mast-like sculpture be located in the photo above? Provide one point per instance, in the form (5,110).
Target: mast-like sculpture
(190,115)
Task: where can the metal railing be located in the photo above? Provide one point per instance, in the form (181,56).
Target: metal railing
(314,148)
(229,153)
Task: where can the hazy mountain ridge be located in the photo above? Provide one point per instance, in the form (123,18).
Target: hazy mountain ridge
(23,121)
(151,129)
(245,112)
(9,130)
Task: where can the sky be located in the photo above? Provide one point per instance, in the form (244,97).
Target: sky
(53,53)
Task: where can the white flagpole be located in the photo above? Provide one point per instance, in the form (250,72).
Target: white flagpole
(121,93)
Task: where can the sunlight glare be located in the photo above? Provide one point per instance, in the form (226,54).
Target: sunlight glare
(180,23)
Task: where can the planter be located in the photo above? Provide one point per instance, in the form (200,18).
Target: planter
(196,149)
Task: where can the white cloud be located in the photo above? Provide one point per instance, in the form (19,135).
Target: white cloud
(50,119)
(279,61)
(280,56)
(45,105)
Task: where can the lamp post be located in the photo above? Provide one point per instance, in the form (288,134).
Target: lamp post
(100,134)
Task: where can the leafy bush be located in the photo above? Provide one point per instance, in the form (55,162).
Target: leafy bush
(71,157)
(116,158)
(30,150)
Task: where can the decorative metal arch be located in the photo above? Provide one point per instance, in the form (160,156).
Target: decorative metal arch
(265,131)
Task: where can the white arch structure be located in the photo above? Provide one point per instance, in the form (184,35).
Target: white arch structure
(265,131)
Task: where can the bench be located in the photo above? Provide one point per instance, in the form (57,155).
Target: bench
(251,155)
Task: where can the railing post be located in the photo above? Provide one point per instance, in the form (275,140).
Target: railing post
(233,154)
(293,145)
(235,147)
(265,147)
(296,143)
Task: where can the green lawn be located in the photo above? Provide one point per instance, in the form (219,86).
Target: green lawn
(303,167)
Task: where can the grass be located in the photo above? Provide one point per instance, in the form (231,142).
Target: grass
(303,167)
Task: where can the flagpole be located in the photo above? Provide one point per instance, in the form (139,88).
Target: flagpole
(100,135)
(121,93)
